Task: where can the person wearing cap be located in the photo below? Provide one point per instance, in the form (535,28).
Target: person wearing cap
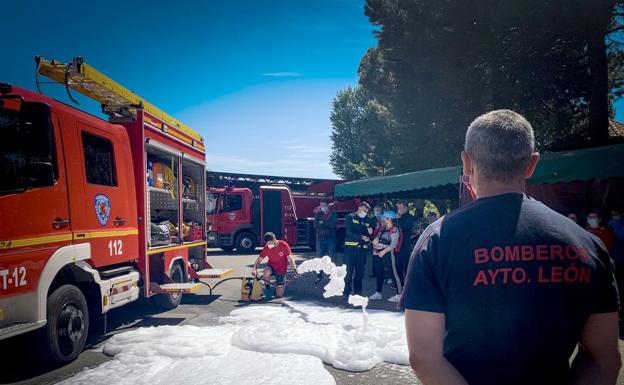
(505,290)
(386,243)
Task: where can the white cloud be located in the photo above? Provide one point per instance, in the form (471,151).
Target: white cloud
(274,128)
(286,166)
(283,74)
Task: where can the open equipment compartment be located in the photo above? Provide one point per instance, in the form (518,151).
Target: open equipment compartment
(193,201)
(163,199)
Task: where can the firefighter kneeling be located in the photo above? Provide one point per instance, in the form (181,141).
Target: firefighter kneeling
(279,255)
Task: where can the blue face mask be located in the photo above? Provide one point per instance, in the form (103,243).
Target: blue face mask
(324,209)
(592,222)
(361,214)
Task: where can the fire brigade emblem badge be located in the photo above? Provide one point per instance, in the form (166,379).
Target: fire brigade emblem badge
(102,208)
(232,216)
(281,253)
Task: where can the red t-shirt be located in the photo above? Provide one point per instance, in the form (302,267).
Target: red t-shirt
(604,233)
(278,256)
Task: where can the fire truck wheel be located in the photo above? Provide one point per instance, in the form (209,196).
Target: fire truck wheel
(246,243)
(68,325)
(171,301)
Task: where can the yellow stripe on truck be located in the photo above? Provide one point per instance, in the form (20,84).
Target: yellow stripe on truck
(14,243)
(104,234)
(23,242)
(157,249)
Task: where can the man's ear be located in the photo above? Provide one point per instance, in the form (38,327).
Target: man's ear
(530,169)
(467,163)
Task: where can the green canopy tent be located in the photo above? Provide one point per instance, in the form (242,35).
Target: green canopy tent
(580,180)
(442,183)
(596,163)
(586,165)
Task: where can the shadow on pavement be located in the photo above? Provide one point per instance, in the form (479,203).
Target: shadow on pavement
(200,299)
(25,364)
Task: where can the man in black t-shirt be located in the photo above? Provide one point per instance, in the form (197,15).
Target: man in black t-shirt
(502,290)
(406,224)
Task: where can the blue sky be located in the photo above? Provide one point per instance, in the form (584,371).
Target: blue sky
(255,78)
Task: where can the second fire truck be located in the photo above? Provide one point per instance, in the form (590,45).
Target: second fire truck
(242,207)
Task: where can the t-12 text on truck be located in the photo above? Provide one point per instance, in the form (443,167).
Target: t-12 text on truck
(94,213)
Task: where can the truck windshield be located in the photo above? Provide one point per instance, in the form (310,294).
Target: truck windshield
(26,149)
(211,203)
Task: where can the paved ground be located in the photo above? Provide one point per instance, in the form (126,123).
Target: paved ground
(18,366)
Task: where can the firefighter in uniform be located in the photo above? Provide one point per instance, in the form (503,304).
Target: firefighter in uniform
(357,240)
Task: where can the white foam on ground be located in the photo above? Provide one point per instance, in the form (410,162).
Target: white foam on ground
(358,300)
(336,274)
(336,336)
(254,344)
(336,284)
(258,344)
(196,355)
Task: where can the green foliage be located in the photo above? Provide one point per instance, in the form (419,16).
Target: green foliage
(440,64)
(362,136)
(347,141)
(378,130)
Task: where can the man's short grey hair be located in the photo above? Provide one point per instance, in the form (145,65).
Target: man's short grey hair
(500,144)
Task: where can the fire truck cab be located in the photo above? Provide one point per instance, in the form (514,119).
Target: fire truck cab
(237,217)
(93,214)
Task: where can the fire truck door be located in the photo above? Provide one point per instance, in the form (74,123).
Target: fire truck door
(108,219)
(231,213)
(272,216)
(34,213)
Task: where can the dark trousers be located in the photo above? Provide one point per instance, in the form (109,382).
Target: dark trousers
(386,263)
(370,256)
(380,264)
(402,262)
(355,258)
(325,247)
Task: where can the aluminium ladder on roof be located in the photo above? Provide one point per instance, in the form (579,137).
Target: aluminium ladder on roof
(117,101)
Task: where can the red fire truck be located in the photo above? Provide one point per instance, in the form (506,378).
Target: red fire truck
(94,213)
(238,216)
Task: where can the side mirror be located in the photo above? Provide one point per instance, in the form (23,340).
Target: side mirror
(39,174)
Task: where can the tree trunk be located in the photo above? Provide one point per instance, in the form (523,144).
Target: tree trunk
(599,73)
(599,90)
